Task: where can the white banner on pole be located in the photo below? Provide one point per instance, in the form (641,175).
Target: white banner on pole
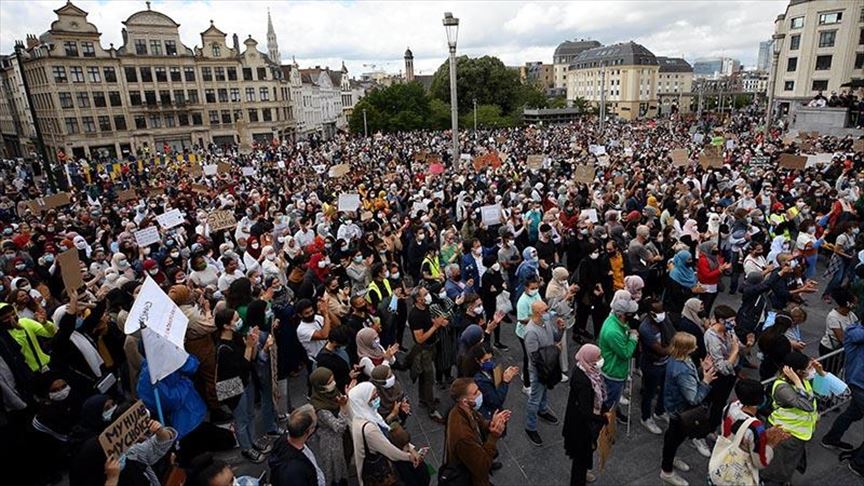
(164,329)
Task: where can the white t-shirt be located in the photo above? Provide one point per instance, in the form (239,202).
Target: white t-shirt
(836,320)
(304,333)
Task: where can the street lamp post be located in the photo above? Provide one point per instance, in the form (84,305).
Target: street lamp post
(40,142)
(451,26)
(769,110)
(365,132)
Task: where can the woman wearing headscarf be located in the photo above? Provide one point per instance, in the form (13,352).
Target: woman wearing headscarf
(709,271)
(681,283)
(369,430)
(199,340)
(316,274)
(394,403)
(120,264)
(778,245)
(371,353)
(595,287)
(560,297)
(634,284)
(528,269)
(691,322)
(358,273)
(252,255)
(585,416)
(88,460)
(334,419)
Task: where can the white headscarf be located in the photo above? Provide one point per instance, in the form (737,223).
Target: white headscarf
(359,397)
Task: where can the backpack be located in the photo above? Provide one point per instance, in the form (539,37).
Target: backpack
(547,363)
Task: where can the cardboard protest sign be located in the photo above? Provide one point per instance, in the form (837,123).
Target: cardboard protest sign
(339,170)
(605,440)
(500,140)
(711,156)
(220,220)
(210,170)
(70,270)
(349,202)
(163,328)
(583,174)
(491,214)
(127,195)
(819,159)
(195,170)
(488,159)
(790,161)
(124,432)
(147,236)
(57,200)
(421,156)
(200,189)
(858,145)
(680,157)
(535,162)
(223,167)
(789,139)
(170,219)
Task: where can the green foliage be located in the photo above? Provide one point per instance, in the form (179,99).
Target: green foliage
(560,102)
(582,104)
(399,107)
(487,80)
(439,119)
(488,116)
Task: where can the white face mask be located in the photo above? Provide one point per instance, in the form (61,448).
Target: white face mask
(329,387)
(660,317)
(811,373)
(389,382)
(599,363)
(532,293)
(478,310)
(238,325)
(106,415)
(496,267)
(594,255)
(442,294)
(61,394)
(428,299)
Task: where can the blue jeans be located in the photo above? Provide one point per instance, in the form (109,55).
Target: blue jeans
(536,402)
(244,418)
(268,414)
(614,388)
(653,377)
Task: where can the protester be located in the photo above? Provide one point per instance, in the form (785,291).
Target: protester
(585,413)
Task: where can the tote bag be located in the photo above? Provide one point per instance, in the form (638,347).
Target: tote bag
(731,466)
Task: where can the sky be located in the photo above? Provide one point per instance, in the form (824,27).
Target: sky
(367,33)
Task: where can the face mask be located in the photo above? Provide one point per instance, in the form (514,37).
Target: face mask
(61,394)
(375,403)
(811,373)
(729,325)
(583,231)
(389,382)
(428,299)
(477,251)
(81,245)
(534,257)
(478,402)
(26,288)
(487,366)
(442,294)
(599,363)
(358,259)
(421,237)
(153,271)
(496,267)
(106,415)
(329,387)
(811,230)
(175,254)
(394,275)
(478,310)
(322,264)
(270,257)
(594,255)
(660,317)
(20,267)
(531,293)
(238,325)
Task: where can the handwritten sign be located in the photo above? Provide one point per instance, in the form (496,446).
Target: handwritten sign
(349,202)
(790,161)
(248,171)
(491,214)
(584,174)
(170,219)
(597,149)
(591,214)
(127,195)
(220,220)
(125,432)
(210,169)
(70,270)
(535,162)
(223,167)
(819,159)
(680,157)
(147,236)
(711,156)
(339,170)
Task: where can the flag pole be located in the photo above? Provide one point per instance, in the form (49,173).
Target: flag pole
(158,403)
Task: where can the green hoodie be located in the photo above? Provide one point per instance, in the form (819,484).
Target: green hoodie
(26,335)
(616,348)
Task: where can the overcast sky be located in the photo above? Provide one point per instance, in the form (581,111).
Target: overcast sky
(366,32)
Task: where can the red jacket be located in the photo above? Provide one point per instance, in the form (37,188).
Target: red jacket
(705,274)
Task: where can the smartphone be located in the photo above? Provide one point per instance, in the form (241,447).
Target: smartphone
(423,451)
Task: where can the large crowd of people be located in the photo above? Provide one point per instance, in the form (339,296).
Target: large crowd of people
(310,290)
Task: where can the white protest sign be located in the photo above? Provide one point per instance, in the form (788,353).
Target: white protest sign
(248,171)
(147,236)
(170,219)
(419,206)
(280,164)
(819,159)
(698,138)
(628,152)
(597,149)
(349,202)
(730,144)
(491,214)
(210,169)
(591,214)
(465,157)
(163,328)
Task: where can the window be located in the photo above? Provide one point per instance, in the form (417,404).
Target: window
(861,37)
(238,115)
(104,123)
(220,73)
(206,74)
(210,95)
(262,74)
(131,74)
(214,117)
(135,98)
(223,95)
(94,74)
(140,47)
(77,74)
(253,115)
(155,121)
(859,60)
(109,74)
(247,74)
(161,74)
(826,38)
(192,95)
(83,100)
(197,119)
(235,95)
(823,63)
(165,97)
(250,94)
(169,121)
(155,48)
(189,73)
(71,126)
(226,117)
(87,49)
(820,85)
(182,119)
(217,51)
(179,96)
(796,23)
(232,74)
(71,48)
(146,74)
(59,73)
(88,124)
(114,98)
(267,115)
(120,122)
(791,64)
(830,18)
(66,101)
(170,48)
(788,85)
(140,122)
(150,97)
(264,93)
(99,100)
(175,73)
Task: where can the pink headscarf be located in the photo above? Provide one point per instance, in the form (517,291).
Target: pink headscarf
(634,284)
(586,360)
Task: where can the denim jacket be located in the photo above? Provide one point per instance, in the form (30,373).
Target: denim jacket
(683,388)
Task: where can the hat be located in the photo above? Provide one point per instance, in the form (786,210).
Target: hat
(624,306)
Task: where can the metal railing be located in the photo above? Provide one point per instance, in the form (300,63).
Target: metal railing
(832,362)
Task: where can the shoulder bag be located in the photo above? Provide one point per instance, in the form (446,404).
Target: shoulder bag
(729,464)
(377,469)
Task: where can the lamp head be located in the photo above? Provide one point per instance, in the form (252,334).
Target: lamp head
(451,26)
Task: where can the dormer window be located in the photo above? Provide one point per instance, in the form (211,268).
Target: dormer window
(216,50)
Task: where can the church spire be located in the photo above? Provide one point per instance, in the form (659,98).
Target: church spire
(272,45)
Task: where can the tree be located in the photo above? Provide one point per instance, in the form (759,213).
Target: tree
(488,116)
(485,79)
(581,104)
(439,119)
(399,107)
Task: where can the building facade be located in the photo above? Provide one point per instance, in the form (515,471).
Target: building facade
(565,54)
(822,47)
(539,74)
(409,65)
(755,82)
(16,124)
(715,67)
(627,72)
(763,62)
(674,85)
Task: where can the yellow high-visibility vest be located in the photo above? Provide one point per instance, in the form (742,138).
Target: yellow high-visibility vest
(797,422)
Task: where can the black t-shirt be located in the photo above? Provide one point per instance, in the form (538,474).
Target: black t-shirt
(421,320)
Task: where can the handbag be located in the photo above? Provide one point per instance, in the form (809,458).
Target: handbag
(694,422)
(547,363)
(228,388)
(502,302)
(729,465)
(377,469)
(453,474)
